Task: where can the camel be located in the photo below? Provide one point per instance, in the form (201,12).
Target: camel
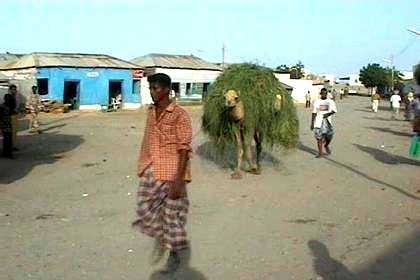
(243,143)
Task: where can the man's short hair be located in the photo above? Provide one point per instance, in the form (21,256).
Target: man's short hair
(161,79)
(323,90)
(12,86)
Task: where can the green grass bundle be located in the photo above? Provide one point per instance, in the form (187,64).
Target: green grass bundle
(258,89)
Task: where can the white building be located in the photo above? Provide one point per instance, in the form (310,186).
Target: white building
(350,80)
(329,78)
(190,75)
(300,87)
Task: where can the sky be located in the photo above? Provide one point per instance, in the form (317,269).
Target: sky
(327,36)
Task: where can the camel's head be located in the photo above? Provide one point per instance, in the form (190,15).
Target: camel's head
(231,98)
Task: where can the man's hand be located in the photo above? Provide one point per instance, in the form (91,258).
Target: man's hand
(176,189)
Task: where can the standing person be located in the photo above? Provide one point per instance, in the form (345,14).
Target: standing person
(334,94)
(395,104)
(346,92)
(163,168)
(14,115)
(341,93)
(321,123)
(308,99)
(376,97)
(34,103)
(409,114)
(6,126)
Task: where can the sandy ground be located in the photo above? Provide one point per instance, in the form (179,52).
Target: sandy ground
(67,201)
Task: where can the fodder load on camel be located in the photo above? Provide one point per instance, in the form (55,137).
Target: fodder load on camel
(248,103)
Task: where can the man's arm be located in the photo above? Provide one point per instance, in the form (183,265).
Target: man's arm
(184,138)
(313,120)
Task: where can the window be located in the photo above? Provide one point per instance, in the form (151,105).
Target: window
(188,91)
(206,88)
(136,86)
(42,86)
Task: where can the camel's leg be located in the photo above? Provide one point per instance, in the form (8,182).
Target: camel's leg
(258,143)
(240,153)
(252,167)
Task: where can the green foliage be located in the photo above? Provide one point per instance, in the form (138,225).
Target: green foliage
(417,74)
(258,89)
(398,79)
(296,71)
(374,75)
(283,68)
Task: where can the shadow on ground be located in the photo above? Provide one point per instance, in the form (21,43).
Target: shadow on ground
(37,149)
(401,261)
(185,272)
(208,152)
(386,157)
(387,130)
(358,172)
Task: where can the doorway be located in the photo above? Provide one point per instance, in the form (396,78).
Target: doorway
(71,94)
(115,91)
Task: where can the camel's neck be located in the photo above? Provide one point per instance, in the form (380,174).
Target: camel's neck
(238,112)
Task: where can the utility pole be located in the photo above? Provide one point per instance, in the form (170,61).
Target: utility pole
(223,55)
(391,62)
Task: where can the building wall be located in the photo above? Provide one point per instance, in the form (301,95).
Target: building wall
(94,85)
(353,80)
(24,79)
(181,76)
(300,87)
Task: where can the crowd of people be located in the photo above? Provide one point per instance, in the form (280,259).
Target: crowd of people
(10,110)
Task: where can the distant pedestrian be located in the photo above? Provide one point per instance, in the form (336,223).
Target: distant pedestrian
(395,104)
(341,93)
(14,114)
(34,103)
(409,112)
(308,99)
(6,126)
(346,92)
(321,123)
(164,171)
(376,97)
(334,94)
(415,106)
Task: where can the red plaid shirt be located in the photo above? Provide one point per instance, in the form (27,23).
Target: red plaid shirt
(163,139)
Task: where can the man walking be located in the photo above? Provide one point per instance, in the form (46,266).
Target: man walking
(34,103)
(14,115)
(321,123)
(375,101)
(308,100)
(163,168)
(6,126)
(395,104)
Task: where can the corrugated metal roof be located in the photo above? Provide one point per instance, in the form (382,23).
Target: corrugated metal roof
(67,60)
(174,61)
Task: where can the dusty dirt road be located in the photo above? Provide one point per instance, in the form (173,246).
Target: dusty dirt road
(67,201)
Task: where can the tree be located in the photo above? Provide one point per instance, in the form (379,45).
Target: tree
(374,75)
(398,79)
(417,74)
(296,71)
(283,68)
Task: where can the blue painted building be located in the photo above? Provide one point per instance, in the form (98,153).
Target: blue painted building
(87,81)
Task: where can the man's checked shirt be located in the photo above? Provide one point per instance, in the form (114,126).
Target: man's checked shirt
(163,139)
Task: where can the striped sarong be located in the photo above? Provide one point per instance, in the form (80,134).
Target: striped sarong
(158,215)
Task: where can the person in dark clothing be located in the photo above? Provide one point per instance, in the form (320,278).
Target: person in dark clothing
(6,126)
(14,114)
